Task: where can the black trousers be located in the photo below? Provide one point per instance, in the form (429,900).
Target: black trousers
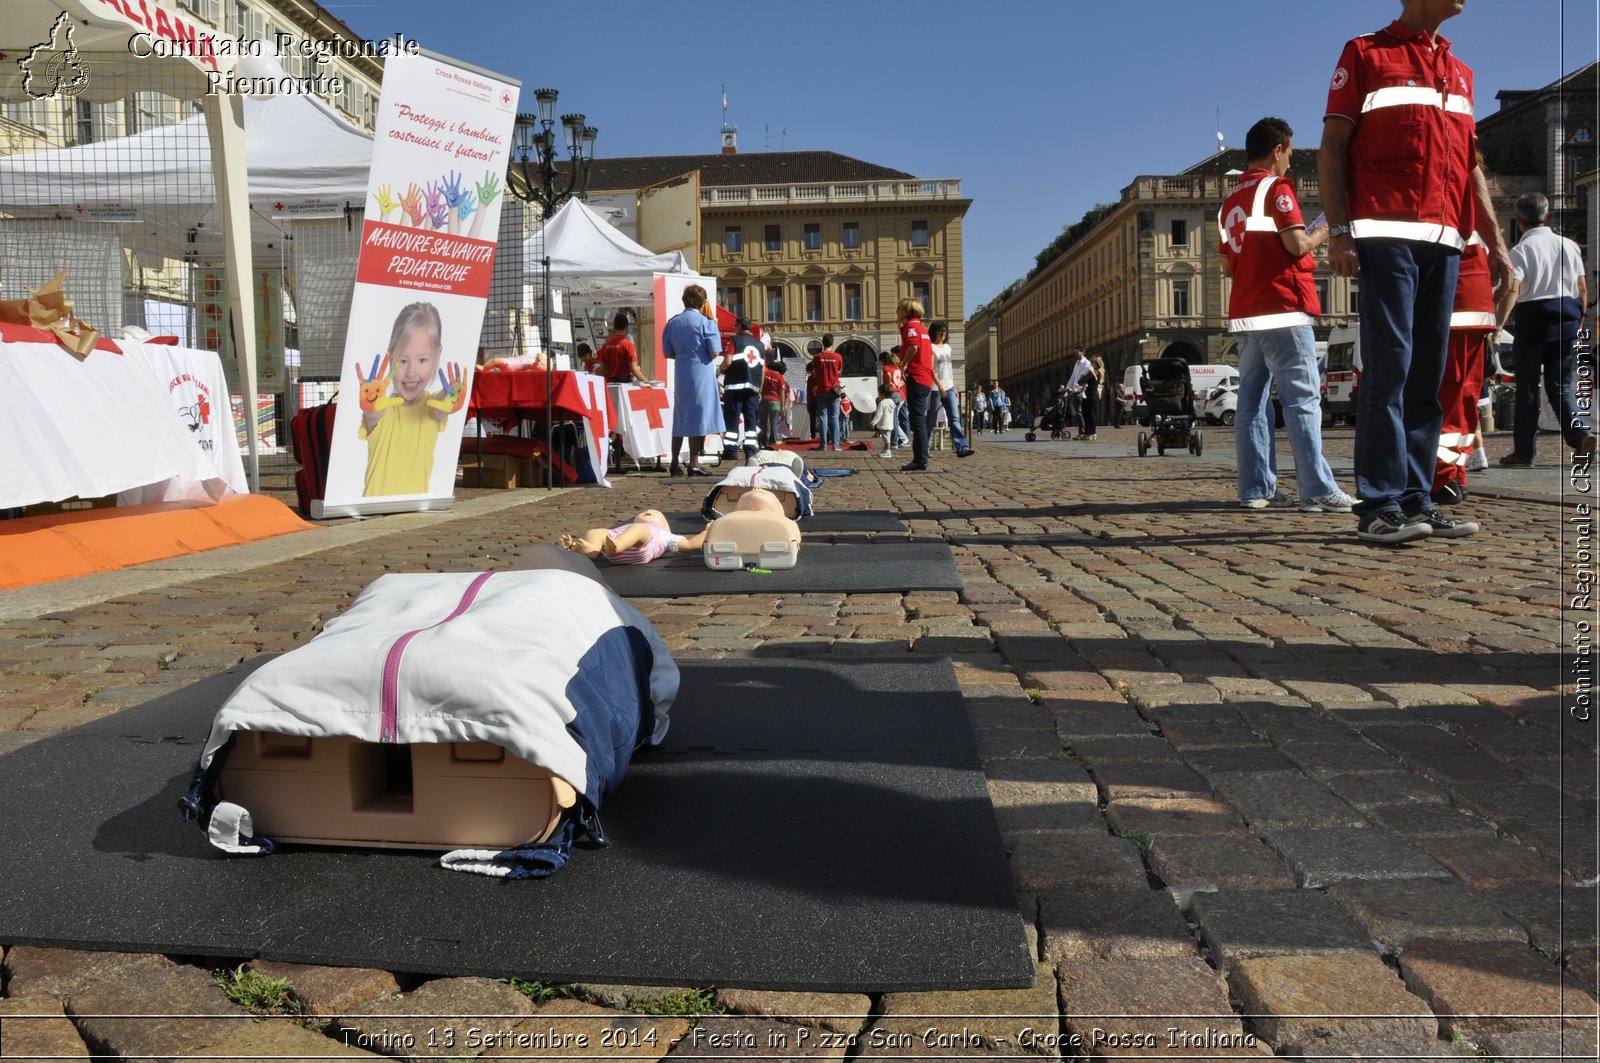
(743,402)
(924,402)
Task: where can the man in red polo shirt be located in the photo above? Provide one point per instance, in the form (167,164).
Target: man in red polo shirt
(1399,175)
(1266,249)
(916,356)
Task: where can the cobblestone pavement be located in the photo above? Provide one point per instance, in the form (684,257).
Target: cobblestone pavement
(1264,789)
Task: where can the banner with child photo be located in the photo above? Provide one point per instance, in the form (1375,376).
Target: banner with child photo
(422,283)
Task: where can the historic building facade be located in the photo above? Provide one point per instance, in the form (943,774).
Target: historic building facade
(1551,134)
(1147,281)
(812,242)
(28,124)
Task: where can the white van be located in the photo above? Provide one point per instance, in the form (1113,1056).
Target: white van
(1211,379)
(1204,378)
(1341,375)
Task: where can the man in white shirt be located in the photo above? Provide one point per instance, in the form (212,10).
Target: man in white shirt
(1551,295)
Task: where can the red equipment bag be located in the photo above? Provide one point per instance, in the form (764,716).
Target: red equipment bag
(311,435)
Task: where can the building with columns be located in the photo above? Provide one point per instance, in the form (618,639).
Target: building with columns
(813,242)
(1147,280)
(1549,133)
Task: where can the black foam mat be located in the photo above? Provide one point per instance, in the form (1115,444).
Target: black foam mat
(826,520)
(808,825)
(824,567)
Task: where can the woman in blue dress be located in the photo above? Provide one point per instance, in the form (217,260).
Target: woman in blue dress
(692,340)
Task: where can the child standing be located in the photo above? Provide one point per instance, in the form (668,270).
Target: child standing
(883,420)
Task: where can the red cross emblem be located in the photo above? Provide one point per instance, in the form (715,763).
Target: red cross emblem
(652,402)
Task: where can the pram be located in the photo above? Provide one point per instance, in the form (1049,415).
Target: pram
(1054,419)
(1169,396)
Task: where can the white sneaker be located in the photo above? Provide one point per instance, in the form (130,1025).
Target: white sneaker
(1279,500)
(885,453)
(1337,502)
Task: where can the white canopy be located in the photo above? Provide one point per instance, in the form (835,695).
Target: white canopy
(300,155)
(594,261)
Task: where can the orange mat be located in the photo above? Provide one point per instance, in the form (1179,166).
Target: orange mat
(79,542)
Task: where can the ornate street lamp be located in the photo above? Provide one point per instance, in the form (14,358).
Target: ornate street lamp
(534,178)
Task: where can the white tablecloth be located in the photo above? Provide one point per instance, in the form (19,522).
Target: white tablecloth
(127,424)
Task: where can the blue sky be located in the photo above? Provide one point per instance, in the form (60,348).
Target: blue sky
(1042,109)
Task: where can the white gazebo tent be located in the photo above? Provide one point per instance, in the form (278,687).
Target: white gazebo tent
(299,154)
(100,35)
(594,261)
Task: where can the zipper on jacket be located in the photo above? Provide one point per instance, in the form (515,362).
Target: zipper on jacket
(389,693)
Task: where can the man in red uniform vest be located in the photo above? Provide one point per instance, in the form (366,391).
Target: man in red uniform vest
(1399,176)
(1266,249)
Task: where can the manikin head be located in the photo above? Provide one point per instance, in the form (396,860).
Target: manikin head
(652,516)
(760,500)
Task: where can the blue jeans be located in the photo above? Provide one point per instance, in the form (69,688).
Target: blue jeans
(902,423)
(952,413)
(1407,292)
(1289,357)
(1545,331)
(828,420)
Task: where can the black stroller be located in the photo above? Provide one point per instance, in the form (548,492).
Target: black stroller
(1169,396)
(1053,419)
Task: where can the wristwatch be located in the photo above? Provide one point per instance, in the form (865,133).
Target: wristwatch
(1338,230)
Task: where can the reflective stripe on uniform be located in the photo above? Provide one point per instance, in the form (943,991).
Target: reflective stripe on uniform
(1472,319)
(1415,96)
(1426,232)
(1269,321)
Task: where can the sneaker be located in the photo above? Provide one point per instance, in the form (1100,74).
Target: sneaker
(1337,502)
(1442,526)
(885,453)
(1279,500)
(1516,461)
(1389,526)
(1450,494)
(965,452)
(1584,448)
(1477,464)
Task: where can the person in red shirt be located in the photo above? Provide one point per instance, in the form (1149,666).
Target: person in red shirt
(826,366)
(1472,323)
(617,360)
(922,393)
(1399,178)
(775,394)
(1266,249)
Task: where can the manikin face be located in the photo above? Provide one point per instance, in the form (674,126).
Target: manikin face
(414,365)
(652,516)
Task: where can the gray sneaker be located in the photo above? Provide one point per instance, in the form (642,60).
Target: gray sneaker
(1279,500)
(1337,502)
(1441,526)
(1390,527)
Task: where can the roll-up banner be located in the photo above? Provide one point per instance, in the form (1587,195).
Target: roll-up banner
(422,283)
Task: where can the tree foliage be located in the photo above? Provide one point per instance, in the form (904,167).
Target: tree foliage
(1071,234)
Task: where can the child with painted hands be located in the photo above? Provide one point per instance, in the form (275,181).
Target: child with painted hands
(400,419)
(638,542)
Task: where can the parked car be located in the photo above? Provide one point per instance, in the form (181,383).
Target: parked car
(1221,403)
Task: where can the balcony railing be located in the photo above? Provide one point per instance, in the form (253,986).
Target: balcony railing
(831,192)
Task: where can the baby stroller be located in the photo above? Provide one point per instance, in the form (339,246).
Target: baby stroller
(1053,419)
(1169,396)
